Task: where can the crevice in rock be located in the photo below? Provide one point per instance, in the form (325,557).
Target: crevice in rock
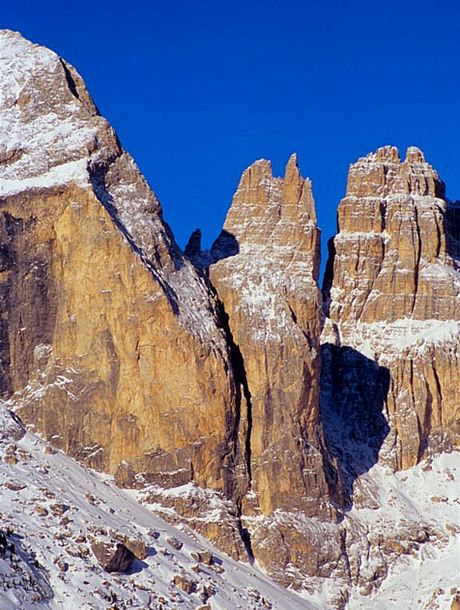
(70,80)
(97,174)
(425,430)
(243,395)
(237,361)
(418,255)
(328,277)
(439,393)
(246,538)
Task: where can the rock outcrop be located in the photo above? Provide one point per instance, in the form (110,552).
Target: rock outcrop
(218,384)
(265,274)
(264,267)
(392,291)
(113,556)
(111,345)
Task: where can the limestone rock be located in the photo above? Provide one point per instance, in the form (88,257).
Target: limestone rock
(204,556)
(125,476)
(184,584)
(265,272)
(392,290)
(11,429)
(111,343)
(205,511)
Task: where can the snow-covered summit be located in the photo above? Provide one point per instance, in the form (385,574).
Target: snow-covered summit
(52,136)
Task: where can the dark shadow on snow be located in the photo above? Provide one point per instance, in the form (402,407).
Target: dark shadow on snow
(452,231)
(137,567)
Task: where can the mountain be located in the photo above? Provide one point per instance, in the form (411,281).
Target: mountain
(59,519)
(392,293)
(311,433)
(89,269)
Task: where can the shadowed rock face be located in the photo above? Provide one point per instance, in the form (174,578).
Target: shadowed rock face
(392,290)
(111,344)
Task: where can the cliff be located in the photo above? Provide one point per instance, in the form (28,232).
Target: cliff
(392,291)
(222,385)
(107,332)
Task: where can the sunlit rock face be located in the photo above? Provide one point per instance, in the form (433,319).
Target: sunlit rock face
(111,345)
(265,273)
(264,268)
(221,382)
(392,293)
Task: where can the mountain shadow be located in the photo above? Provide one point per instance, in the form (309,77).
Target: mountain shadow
(353,397)
(452,230)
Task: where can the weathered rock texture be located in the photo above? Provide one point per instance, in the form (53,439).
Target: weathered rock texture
(113,556)
(110,341)
(265,273)
(392,293)
(168,374)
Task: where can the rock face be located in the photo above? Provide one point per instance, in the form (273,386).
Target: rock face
(219,382)
(265,272)
(107,332)
(392,292)
(113,556)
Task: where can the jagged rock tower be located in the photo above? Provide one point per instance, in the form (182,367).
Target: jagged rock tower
(265,274)
(392,291)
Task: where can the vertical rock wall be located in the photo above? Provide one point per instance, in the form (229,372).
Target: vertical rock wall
(392,292)
(111,345)
(265,274)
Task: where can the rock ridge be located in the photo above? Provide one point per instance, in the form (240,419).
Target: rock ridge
(99,307)
(223,384)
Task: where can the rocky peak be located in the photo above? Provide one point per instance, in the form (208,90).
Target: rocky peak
(193,246)
(268,289)
(98,306)
(394,230)
(383,173)
(52,135)
(392,289)
(264,205)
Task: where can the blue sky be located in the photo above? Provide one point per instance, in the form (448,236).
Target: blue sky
(199,89)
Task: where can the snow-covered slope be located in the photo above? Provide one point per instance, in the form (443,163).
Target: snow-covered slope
(423,573)
(402,540)
(53,509)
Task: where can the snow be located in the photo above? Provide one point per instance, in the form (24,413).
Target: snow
(42,145)
(97,506)
(387,339)
(74,171)
(425,494)
(417,509)
(388,506)
(266,253)
(263,277)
